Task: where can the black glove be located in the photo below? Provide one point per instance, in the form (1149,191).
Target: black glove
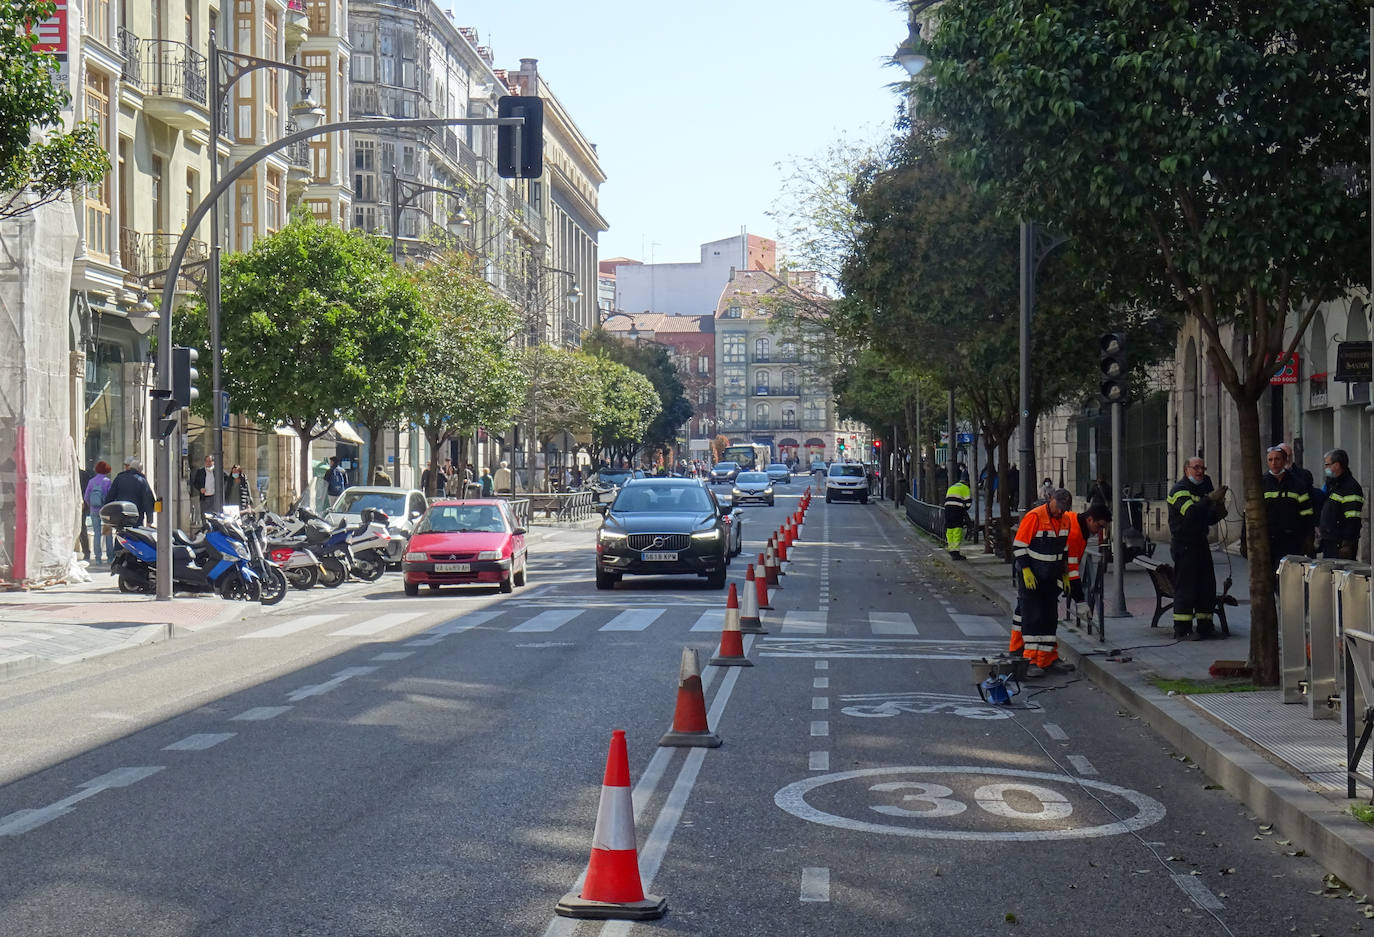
(1076,590)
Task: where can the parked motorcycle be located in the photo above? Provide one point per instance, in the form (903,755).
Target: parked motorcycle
(218,561)
(274,581)
(361,549)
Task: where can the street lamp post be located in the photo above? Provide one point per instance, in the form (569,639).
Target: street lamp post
(1036,244)
(237,65)
(400,201)
(163,477)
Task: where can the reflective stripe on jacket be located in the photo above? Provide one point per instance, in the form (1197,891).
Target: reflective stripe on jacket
(1288,505)
(1341,511)
(1042,543)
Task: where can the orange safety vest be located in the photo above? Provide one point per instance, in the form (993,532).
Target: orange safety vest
(1042,544)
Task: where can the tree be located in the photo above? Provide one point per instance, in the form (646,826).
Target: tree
(1215,155)
(630,406)
(38,164)
(470,377)
(312,319)
(656,363)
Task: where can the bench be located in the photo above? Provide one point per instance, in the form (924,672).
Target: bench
(1162,578)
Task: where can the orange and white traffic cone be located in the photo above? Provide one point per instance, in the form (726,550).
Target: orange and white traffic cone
(761,583)
(782,548)
(770,568)
(749,620)
(612,887)
(731,641)
(689,715)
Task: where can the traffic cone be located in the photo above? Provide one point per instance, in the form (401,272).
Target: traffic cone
(761,584)
(731,641)
(782,547)
(612,887)
(749,620)
(770,568)
(689,715)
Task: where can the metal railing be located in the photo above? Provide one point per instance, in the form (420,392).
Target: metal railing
(142,254)
(174,69)
(131,48)
(297,154)
(520,507)
(928,517)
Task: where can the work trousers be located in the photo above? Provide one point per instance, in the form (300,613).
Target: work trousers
(1038,611)
(954,537)
(1195,592)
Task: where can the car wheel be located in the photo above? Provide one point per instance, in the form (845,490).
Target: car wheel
(412,588)
(606,580)
(827,497)
(507,586)
(863,499)
(520,576)
(770,502)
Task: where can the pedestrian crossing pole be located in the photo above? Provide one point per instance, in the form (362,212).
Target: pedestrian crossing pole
(1118,518)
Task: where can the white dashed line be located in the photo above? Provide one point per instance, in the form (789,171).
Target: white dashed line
(1081,765)
(820,683)
(815,884)
(260,714)
(818,761)
(820,728)
(1056,733)
(199,742)
(820,702)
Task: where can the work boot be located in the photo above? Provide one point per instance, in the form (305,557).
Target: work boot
(956,555)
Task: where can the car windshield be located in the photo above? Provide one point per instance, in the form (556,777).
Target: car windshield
(847,471)
(778,467)
(751,478)
(353,502)
(662,499)
(725,466)
(462,518)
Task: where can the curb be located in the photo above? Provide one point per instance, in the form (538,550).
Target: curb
(22,665)
(1331,835)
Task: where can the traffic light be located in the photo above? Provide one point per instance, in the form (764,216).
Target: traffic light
(162,414)
(184,375)
(528,163)
(839,444)
(1112,346)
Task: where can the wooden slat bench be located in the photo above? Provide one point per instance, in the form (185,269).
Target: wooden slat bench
(1162,578)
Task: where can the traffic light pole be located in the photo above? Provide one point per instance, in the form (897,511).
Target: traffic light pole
(1119,518)
(162,476)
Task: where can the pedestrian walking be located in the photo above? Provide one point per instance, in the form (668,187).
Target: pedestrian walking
(381,477)
(503,478)
(1194,506)
(958,501)
(1287,507)
(1013,486)
(1101,492)
(238,490)
(1046,490)
(1040,566)
(335,481)
(207,481)
(96,494)
(488,486)
(1338,524)
(131,485)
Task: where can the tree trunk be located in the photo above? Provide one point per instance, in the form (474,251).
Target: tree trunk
(374,438)
(304,430)
(1264,630)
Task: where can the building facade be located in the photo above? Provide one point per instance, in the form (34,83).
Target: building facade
(692,288)
(691,342)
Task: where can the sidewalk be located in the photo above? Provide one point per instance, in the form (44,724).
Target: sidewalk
(1286,766)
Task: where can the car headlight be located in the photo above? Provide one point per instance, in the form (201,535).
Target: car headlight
(606,536)
(712,534)
(417,557)
(489,555)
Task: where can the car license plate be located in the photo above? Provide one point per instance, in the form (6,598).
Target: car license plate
(659,557)
(453,567)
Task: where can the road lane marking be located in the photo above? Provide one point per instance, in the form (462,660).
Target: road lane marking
(820,683)
(319,689)
(891,623)
(292,626)
(1201,895)
(260,713)
(199,742)
(822,665)
(710,620)
(1081,764)
(978,626)
(551,620)
(818,761)
(392,655)
(376,625)
(815,884)
(800,622)
(452,626)
(21,821)
(820,702)
(633,619)
(1056,733)
(820,728)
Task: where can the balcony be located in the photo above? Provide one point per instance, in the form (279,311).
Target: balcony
(297,24)
(174,84)
(775,357)
(146,254)
(130,47)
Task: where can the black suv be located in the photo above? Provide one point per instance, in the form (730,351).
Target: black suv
(663,526)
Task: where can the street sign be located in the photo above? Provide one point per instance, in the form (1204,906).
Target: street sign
(224,409)
(1354,363)
(1285,369)
(965,437)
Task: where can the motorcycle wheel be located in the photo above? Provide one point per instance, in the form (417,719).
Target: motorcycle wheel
(129,585)
(272,588)
(333,573)
(302,577)
(368,570)
(235,588)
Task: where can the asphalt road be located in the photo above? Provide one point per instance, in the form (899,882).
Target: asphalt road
(360,763)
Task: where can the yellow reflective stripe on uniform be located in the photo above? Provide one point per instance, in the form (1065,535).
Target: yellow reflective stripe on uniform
(1183,508)
(1354,514)
(1178,495)
(1045,557)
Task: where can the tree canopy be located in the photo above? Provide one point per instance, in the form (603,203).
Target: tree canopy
(655,363)
(38,167)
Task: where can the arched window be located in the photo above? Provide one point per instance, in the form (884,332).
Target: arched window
(789,416)
(762,379)
(789,382)
(761,416)
(761,349)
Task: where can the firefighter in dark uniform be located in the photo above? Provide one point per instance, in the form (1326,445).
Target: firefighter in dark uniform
(1338,528)
(958,500)
(1040,565)
(1288,507)
(1194,506)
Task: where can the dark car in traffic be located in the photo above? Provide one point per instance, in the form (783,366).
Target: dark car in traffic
(663,527)
(724,472)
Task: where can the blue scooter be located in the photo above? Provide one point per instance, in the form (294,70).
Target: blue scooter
(219,561)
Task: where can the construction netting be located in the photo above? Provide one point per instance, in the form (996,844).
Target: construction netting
(39,504)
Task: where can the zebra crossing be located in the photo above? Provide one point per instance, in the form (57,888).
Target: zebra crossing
(518,619)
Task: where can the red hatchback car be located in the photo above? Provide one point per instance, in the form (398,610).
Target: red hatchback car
(469,542)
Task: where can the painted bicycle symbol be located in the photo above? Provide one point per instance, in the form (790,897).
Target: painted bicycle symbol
(885,705)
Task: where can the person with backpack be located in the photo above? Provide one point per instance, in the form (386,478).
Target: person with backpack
(96,494)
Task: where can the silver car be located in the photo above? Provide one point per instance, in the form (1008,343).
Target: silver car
(752,486)
(402,506)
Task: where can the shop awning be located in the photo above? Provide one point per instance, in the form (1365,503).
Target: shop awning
(344,430)
(284,431)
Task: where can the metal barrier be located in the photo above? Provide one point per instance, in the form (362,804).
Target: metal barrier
(1352,614)
(1310,643)
(928,517)
(1292,628)
(520,507)
(1359,678)
(562,506)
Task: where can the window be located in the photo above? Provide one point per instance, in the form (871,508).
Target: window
(246,211)
(704,396)
(273,219)
(733,346)
(364,155)
(732,312)
(789,382)
(789,417)
(159,218)
(761,415)
(734,412)
(761,382)
(365,186)
(365,217)
(704,364)
(98,194)
(320,210)
(815,414)
(98,20)
(787,351)
(317,64)
(733,380)
(245,104)
(192,191)
(761,349)
(319,17)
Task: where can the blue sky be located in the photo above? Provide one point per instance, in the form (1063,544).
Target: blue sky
(693,105)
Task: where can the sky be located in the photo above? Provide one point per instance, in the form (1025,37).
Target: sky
(693,105)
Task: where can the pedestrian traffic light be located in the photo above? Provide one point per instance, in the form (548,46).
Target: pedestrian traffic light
(1112,346)
(527,160)
(839,444)
(184,375)
(162,414)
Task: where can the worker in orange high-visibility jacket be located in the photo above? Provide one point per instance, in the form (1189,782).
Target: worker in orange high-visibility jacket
(1040,561)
